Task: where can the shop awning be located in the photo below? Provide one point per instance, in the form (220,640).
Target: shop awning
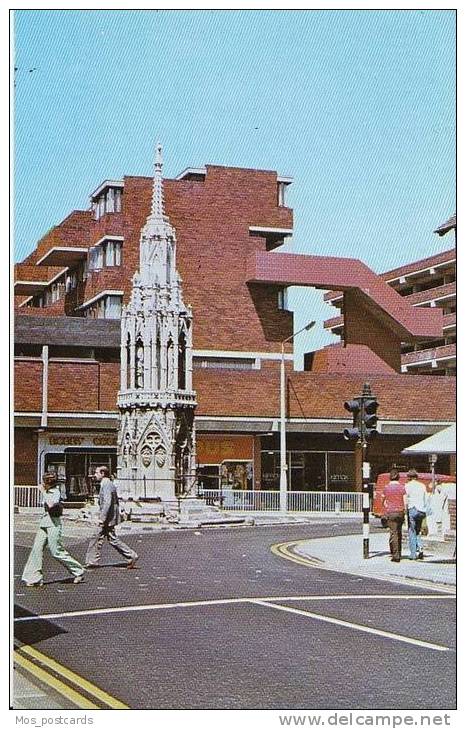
(442,442)
(63,256)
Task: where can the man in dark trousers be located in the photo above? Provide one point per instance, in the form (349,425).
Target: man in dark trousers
(109,517)
(394,500)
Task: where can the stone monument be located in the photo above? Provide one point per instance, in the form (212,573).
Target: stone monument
(156,441)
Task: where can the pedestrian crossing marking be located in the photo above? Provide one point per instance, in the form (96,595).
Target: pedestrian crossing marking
(221,601)
(353,626)
(27,652)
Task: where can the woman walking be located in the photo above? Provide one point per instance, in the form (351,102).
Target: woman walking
(50,533)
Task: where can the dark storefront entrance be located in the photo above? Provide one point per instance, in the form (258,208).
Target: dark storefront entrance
(75,469)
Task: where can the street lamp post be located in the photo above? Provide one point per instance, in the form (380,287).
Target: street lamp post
(283,465)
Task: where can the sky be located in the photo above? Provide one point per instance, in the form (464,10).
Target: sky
(357,106)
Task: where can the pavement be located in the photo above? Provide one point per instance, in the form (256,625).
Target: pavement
(344,554)
(29,694)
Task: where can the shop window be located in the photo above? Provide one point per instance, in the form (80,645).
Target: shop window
(341,473)
(208,477)
(236,475)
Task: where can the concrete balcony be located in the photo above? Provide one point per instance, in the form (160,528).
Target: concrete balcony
(335,324)
(435,357)
(434,297)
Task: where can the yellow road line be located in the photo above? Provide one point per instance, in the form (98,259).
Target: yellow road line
(61,688)
(282,550)
(79,681)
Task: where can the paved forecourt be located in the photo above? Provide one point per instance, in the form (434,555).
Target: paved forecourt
(216,619)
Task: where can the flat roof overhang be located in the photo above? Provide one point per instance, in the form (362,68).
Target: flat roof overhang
(30,288)
(63,256)
(104,185)
(224,425)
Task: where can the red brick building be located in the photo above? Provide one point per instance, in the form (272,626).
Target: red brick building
(229,223)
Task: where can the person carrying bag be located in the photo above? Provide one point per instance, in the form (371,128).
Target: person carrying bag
(50,533)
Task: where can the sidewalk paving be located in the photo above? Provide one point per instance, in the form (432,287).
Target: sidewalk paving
(28,694)
(344,554)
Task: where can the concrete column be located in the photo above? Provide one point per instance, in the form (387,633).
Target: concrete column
(45,385)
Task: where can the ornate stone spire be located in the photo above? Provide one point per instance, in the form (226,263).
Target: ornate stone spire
(157,210)
(156,399)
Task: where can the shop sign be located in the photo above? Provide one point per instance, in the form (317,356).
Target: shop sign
(76,440)
(65,440)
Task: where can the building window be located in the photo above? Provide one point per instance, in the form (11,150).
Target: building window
(281,187)
(107,253)
(109,201)
(107,307)
(112,252)
(283,300)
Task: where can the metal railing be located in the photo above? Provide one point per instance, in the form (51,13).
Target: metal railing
(28,497)
(313,501)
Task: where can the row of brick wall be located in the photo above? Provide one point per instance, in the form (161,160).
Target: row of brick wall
(90,386)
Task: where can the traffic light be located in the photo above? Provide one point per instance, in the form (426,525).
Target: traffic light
(354,407)
(369,417)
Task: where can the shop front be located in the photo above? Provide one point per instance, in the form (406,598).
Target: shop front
(74,458)
(310,470)
(225,462)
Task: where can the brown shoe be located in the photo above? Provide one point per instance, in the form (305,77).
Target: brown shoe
(132,564)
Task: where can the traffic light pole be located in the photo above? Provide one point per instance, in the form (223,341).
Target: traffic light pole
(364,411)
(365,469)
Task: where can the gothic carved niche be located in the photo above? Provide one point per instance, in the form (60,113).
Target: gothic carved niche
(153,448)
(139,364)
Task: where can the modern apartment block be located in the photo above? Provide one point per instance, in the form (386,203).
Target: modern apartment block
(427,283)
(230,224)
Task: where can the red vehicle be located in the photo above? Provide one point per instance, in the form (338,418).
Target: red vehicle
(384,478)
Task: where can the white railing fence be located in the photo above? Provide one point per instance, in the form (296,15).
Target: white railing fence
(317,501)
(28,497)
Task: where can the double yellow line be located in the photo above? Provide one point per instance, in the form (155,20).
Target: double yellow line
(286,550)
(76,689)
